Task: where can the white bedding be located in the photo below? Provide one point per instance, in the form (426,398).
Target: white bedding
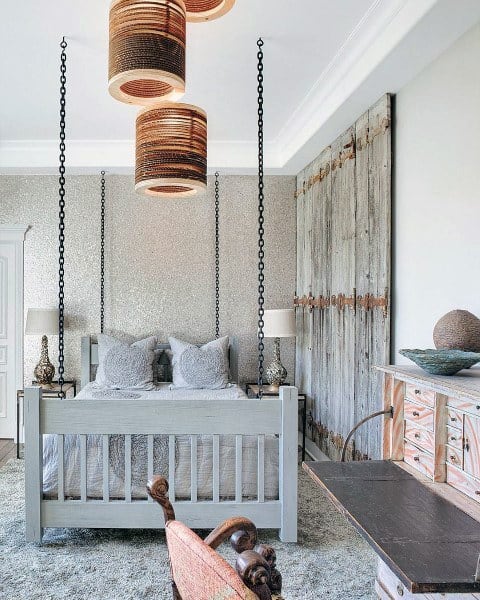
(182,457)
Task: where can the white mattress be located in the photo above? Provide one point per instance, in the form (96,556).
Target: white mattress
(182,456)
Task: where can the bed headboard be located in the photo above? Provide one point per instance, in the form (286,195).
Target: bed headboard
(90,358)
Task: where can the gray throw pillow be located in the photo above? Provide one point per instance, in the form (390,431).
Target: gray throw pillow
(204,367)
(124,366)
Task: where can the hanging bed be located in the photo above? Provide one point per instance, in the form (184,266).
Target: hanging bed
(88,459)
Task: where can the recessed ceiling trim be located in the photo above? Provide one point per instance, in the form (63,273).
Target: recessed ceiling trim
(87,156)
(375,59)
(383,26)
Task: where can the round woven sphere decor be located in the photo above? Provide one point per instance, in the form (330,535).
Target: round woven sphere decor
(207,10)
(147,51)
(458,329)
(171,150)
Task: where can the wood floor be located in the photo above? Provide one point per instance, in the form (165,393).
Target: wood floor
(7,451)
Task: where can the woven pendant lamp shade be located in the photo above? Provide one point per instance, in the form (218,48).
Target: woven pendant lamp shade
(147,51)
(171,150)
(207,10)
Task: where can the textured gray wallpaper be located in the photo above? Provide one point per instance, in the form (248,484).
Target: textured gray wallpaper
(159,260)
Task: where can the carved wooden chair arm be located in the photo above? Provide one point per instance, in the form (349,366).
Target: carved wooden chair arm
(241,531)
(157,489)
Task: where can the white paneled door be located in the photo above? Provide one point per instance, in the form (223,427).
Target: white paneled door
(11,324)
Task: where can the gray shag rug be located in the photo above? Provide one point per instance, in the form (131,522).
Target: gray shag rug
(330,560)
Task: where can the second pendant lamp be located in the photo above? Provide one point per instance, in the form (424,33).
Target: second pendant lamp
(171,150)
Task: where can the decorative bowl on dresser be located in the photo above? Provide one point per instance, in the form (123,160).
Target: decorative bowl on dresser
(442,362)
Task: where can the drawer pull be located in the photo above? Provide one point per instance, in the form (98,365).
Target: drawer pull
(399,590)
(416,458)
(453,418)
(453,438)
(418,392)
(453,458)
(418,436)
(478,407)
(415,413)
(477,492)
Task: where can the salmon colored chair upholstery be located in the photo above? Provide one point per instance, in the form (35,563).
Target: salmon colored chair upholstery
(198,571)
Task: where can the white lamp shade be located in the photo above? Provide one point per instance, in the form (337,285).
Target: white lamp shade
(279,323)
(42,321)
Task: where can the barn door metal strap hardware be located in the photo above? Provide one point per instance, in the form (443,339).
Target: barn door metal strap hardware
(341,301)
(367,302)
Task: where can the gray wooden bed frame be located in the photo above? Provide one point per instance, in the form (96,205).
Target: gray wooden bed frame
(244,417)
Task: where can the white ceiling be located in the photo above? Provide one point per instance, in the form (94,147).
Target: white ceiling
(325,62)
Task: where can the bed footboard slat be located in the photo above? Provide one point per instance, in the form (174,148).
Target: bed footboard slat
(60,468)
(171,468)
(261,469)
(216,468)
(128,468)
(150,461)
(105,459)
(193,468)
(238,467)
(83,467)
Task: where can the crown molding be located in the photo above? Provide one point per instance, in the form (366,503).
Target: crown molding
(383,26)
(13,232)
(89,156)
(392,43)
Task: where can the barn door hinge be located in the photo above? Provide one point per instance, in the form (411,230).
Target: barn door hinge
(304,301)
(367,302)
(341,301)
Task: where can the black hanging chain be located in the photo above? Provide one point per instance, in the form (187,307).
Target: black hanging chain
(261,220)
(102,253)
(217,256)
(61,217)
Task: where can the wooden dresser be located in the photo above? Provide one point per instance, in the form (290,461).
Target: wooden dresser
(435,435)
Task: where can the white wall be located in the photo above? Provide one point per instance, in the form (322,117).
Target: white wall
(437,194)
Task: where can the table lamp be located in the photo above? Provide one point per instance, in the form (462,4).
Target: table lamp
(43,321)
(278,323)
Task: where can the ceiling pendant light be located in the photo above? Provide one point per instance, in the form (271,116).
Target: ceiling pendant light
(147,50)
(207,10)
(171,150)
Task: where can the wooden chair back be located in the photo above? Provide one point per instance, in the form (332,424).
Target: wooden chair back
(200,573)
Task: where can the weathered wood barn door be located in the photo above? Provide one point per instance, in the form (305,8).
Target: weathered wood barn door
(343,281)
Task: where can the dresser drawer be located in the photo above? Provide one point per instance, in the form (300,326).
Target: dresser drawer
(463,482)
(419,459)
(454,456)
(469,406)
(454,438)
(417,394)
(419,414)
(419,436)
(454,418)
(471,445)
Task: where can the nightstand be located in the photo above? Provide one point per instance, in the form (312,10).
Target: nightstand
(52,391)
(251,390)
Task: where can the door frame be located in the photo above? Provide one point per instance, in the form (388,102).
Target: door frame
(14,233)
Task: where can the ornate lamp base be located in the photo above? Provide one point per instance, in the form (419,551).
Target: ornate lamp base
(276,373)
(44,371)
